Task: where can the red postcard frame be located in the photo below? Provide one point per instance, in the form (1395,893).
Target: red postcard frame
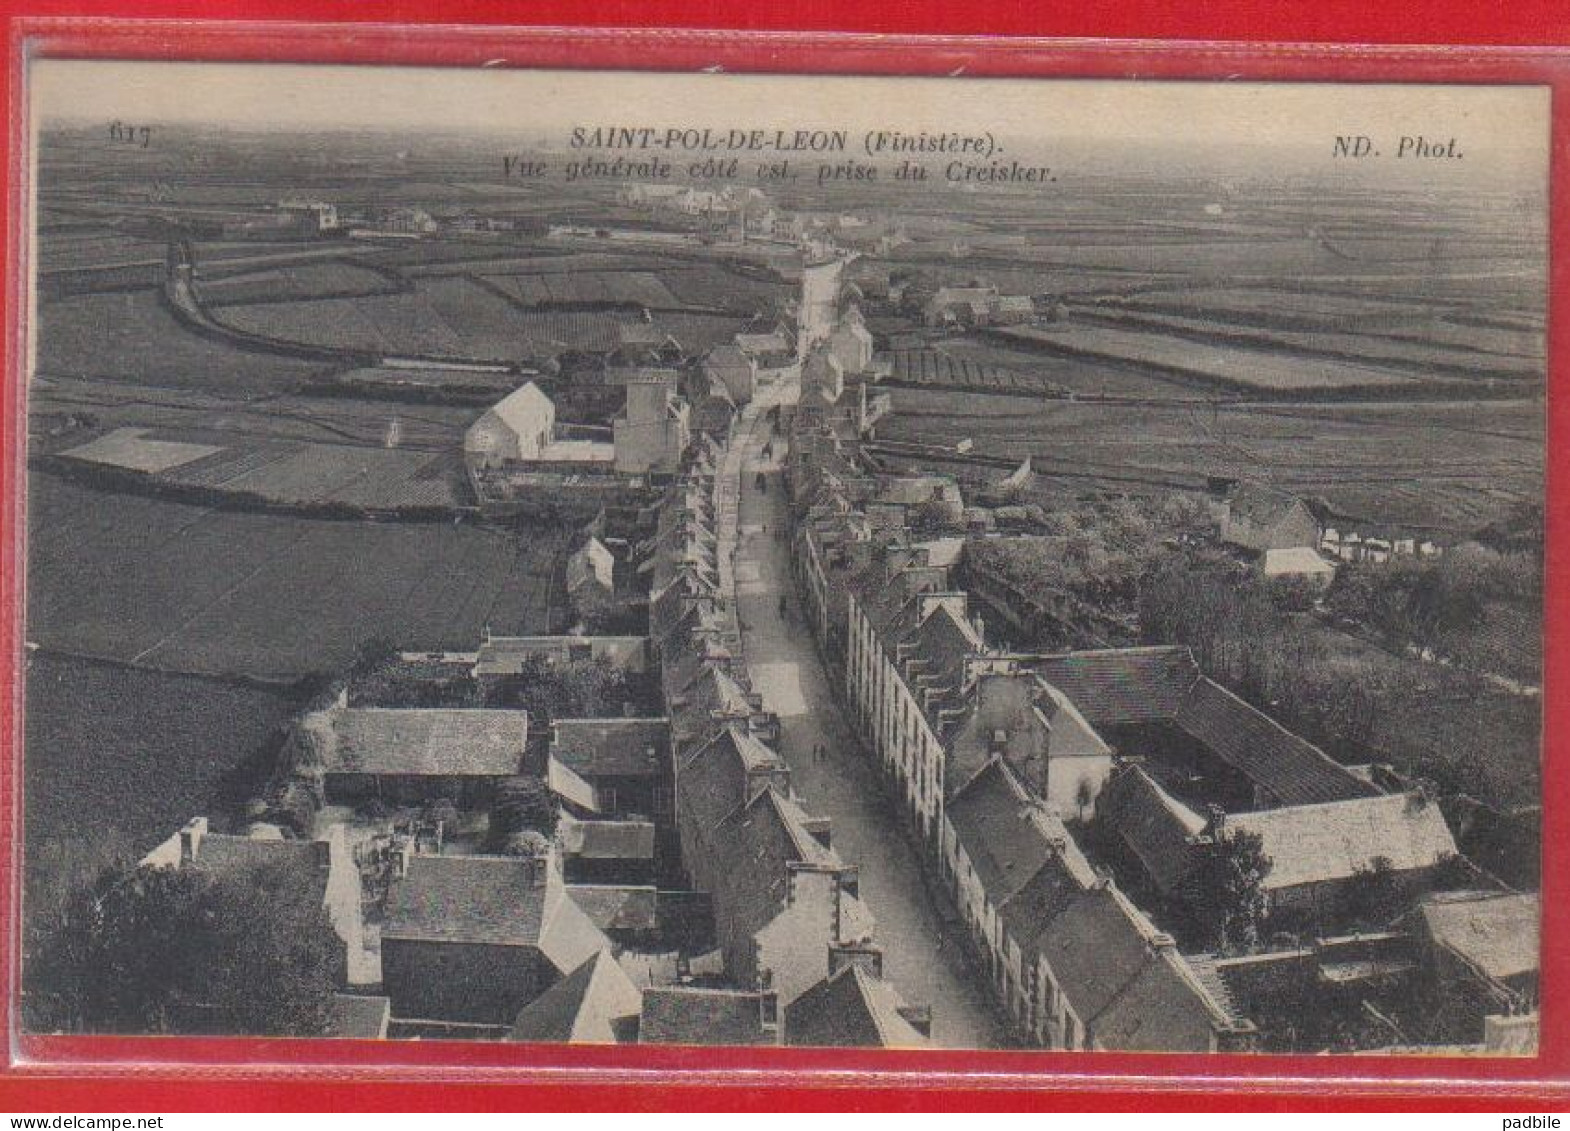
(80,1073)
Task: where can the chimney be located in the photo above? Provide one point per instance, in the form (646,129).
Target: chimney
(980,625)
(820,829)
(769,1011)
(869,958)
(191,839)
(759,779)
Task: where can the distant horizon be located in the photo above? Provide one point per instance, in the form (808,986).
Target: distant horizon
(1503,129)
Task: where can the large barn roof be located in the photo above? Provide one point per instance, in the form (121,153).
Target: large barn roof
(1317,843)
(1496,933)
(396,741)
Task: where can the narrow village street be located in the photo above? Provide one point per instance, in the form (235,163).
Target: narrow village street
(923,955)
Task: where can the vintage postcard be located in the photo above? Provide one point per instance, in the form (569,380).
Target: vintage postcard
(699,559)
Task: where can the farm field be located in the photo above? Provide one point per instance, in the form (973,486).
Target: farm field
(131,336)
(459,318)
(1443,361)
(329,279)
(942,369)
(1302,309)
(638,288)
(280,472)
(141,752)
(1233,366)
(490,384)
(1497,738)
(336,419)
(187,589)
(454,256)
(719,286)
(395,323)
(221,261)
(699,333)
(1082,375)
(1220,257)
(94,247)
(1487,330)
(488,259)
(1432,466)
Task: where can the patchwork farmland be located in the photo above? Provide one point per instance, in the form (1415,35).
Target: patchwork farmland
(132,335)
(1430,465)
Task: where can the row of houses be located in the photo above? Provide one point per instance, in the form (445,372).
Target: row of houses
(983,759)
(788,919)
(992,757)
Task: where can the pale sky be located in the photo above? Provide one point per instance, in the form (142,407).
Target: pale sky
(1496,124)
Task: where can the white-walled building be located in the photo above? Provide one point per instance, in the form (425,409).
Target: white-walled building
(521,428)
(652,432)
(851,344)
(518,427)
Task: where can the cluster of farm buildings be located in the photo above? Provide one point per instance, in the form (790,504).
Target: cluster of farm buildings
(572,943)
(299,217)
(1065,803)
(1068,802)
(517,448)
(750,215)
(741,216)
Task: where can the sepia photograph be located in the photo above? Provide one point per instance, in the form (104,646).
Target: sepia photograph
(569,557)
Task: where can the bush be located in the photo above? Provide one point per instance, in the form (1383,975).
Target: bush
(526,842)
(524,803)
(1225,894)
(577,690)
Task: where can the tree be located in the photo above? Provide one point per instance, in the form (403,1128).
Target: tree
(523,803)
(526,842)
(163,950)
(1084,794)
(1375,896)
(1225,893)
(936,515)
(579,689)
